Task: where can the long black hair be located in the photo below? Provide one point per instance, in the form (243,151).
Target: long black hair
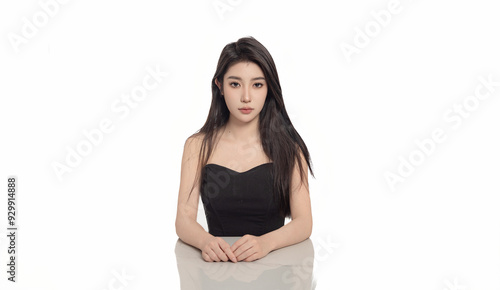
(280,141)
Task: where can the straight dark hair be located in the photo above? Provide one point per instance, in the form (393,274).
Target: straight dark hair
(281,142)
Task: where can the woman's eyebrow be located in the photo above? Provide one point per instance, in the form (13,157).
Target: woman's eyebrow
(238,78)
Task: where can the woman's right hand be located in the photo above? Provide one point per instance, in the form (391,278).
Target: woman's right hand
(215,249)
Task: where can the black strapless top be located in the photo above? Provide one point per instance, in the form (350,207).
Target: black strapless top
(239,203)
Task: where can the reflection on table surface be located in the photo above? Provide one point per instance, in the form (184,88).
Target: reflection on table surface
(286,268)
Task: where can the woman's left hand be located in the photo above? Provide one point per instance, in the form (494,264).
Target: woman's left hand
(249,248)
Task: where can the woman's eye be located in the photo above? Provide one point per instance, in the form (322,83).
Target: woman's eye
(234,85)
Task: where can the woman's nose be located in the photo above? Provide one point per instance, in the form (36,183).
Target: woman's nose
(245,98)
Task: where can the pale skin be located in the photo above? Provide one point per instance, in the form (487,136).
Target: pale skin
(239,148)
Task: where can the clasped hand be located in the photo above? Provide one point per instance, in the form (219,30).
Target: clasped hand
(247,248)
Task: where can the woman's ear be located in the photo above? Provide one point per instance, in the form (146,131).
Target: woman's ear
(219,85)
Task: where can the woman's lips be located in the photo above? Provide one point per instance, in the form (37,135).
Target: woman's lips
(246,110)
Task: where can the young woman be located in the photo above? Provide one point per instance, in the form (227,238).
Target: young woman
(247,163)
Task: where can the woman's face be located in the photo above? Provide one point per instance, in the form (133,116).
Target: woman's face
(244,90)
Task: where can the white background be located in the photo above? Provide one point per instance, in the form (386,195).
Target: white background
(438,229)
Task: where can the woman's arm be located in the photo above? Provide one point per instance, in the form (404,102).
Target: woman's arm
(250,248)
(186,226)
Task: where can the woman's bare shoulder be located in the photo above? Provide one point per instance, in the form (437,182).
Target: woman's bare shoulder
(194,141)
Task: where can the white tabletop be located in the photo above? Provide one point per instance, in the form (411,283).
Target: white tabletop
(286,268)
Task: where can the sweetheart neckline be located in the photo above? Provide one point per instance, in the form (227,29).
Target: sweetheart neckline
(241,171)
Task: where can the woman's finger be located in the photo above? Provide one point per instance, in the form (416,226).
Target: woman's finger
(252,257)
(213,256)
(220,253)
(227,250)
(240,249)
(244,251)
(238,243)
(206,257)
(246,254)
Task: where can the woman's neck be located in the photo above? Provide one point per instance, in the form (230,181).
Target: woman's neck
(241,132)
